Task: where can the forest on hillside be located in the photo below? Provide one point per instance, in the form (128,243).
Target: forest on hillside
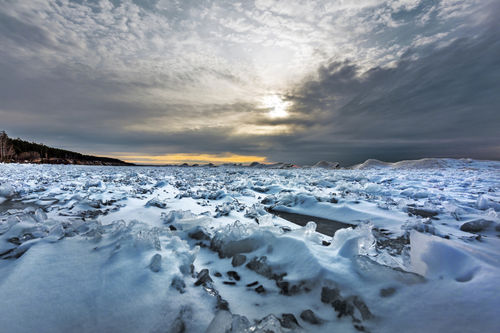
(21,151)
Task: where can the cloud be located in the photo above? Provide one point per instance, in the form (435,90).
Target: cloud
(441,102)
(389,79)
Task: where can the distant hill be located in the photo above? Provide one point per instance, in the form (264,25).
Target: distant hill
(327,165)
(428,163)
(20,151)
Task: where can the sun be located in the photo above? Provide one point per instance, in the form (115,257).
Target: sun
(277,106)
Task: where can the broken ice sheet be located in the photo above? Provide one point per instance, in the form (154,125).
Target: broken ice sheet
(80,248)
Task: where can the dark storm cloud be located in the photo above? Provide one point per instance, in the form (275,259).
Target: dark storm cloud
(442,102)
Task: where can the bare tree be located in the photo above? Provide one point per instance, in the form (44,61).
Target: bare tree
(3,139)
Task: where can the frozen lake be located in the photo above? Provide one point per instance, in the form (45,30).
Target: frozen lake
(167,249)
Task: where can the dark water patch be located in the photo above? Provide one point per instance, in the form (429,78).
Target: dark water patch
(16,204)
(324,226)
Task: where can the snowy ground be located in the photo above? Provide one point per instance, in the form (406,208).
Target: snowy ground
(143,249)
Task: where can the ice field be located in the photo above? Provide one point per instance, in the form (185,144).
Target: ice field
(198,249)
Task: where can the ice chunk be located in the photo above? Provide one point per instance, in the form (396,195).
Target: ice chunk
(155,202)
(6,190)
(287,199)
(372,270)
(310,227)
(176,215)
(484,202)
(255,211)
(239,324)
(268,324)
(222,322)
(40,215)
(56,233)
(351,242)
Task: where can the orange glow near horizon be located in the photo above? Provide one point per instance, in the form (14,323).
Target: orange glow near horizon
(190,158)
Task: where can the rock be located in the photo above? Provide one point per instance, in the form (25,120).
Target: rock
(362,307)
(252,284)
(286,229)
(233,275)
(179,326)
(360,328)
(179,284)
(343,307)
(14,240)
(238,260)
(386,292)
(199,234)
(422,212)
(269,200)
(284,287)
(222,304)
(172,228)
(325,243)
(228,249)
(155,264)
(203,277)
(288,320)
(329,295)
(288,289)
(260,289)
(259,265)
(309,317)
(476,225)
(217,274)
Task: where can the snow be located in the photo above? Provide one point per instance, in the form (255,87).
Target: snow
(435,257)
(120,249)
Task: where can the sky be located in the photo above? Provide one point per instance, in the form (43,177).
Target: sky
(172,81)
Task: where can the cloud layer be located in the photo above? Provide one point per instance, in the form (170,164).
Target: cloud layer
(384,79)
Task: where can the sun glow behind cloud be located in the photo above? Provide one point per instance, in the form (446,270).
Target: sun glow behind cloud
(191,158)
(278,108)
